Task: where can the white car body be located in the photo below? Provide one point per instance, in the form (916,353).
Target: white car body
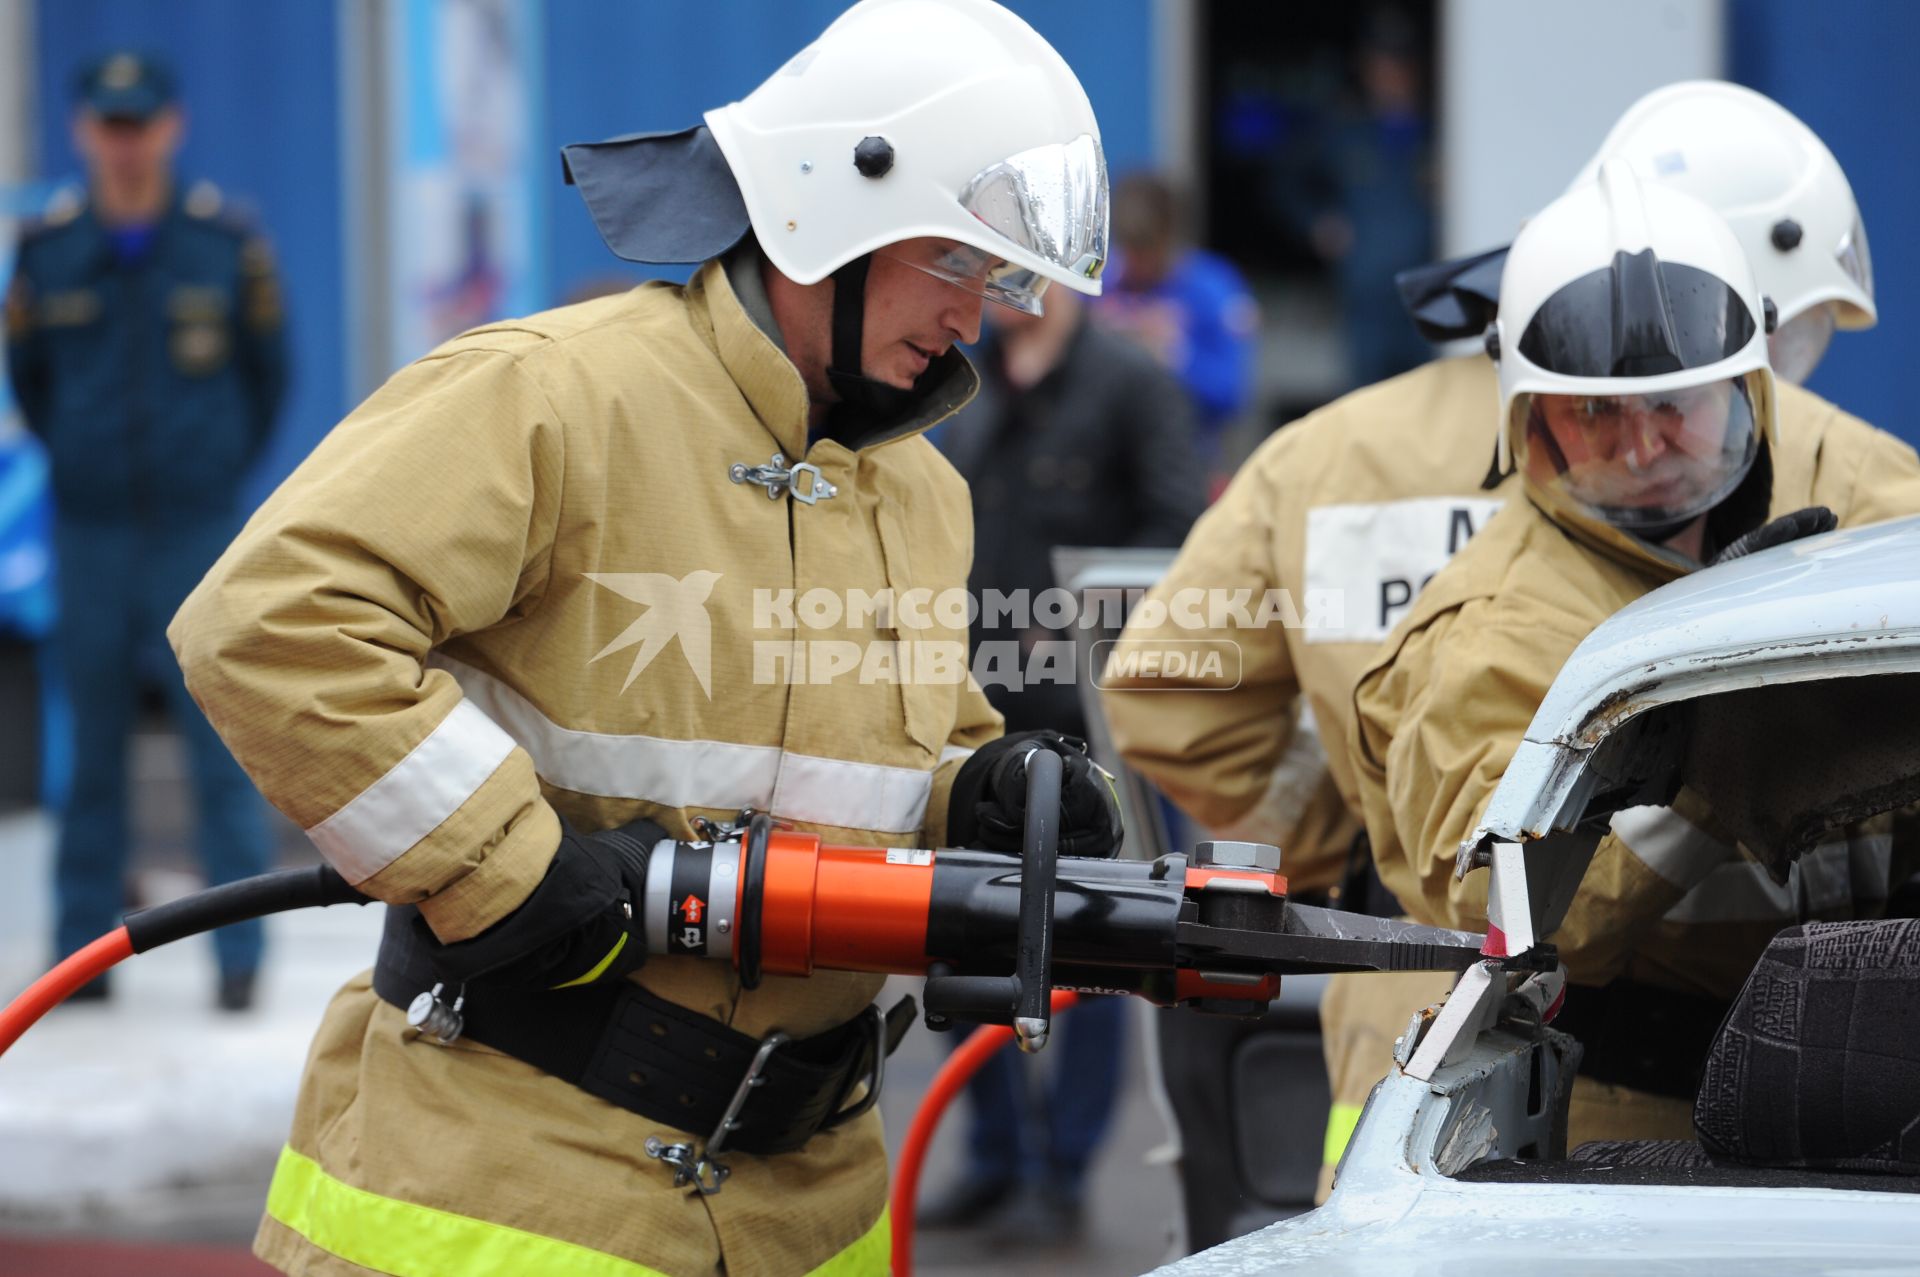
(1722,654)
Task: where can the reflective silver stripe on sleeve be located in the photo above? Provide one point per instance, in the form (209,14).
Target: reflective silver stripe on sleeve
(673,773)
(1670,844)
(431,783)
(832,791)
(1844,879)
(703,773)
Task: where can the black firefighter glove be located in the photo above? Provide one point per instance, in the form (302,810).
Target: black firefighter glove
(1811,521)
(988,807)
(582,924)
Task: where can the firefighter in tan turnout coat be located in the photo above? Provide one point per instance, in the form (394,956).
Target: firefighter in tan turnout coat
(1639,411)
(531,608)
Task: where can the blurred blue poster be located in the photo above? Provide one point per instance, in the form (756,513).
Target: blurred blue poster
(467,191)
(27,598)
(26,503)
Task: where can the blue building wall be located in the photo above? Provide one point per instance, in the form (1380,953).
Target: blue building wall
(259,85)
(1848,71)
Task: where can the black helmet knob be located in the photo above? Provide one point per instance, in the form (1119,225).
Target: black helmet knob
(873,157)
(1493,343)
(1787,234)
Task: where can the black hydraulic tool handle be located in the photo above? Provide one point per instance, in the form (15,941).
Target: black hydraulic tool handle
(1039,864)
(239,901)
(189,916)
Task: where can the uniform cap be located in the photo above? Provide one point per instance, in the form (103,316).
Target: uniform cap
(125,86)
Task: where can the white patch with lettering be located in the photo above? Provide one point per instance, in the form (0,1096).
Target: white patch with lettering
(1379,556)
(909,856)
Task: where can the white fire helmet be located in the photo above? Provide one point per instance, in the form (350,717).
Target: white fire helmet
(1778,187)
(950,119)
(1632,347)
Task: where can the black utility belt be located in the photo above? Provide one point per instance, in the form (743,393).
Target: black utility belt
(1640,1036)
(653,1057)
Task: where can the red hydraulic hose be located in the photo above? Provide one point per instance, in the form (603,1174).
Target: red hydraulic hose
(163,924)
(52,988)
(959,1069)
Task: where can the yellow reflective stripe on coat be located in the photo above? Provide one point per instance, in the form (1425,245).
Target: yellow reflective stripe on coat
(1341,1121)
(406,1240)
(599,968)
(871,1256)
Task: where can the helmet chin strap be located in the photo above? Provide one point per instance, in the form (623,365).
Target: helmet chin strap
(862,394)
(1661,533)
(1739,512)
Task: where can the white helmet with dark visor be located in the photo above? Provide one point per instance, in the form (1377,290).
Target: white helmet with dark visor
(1631,340)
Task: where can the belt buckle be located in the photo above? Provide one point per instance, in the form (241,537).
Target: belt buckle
(705,1171)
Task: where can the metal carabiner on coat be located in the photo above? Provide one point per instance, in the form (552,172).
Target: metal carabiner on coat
(687,1168)
(718,831)
(704,1171)
(780,479)
(723,830)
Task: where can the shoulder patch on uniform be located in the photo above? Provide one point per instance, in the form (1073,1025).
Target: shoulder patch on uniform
(203,200)
(63,206)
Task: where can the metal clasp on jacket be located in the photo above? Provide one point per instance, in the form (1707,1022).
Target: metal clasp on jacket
(705,1171)
(730,830)
(429,1016)
(780,479)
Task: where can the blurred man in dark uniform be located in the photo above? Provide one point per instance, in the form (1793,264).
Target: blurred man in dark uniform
(146,349)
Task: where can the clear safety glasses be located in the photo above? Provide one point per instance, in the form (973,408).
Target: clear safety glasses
(967,267)
(1051,201)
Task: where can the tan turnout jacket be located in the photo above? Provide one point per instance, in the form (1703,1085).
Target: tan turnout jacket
(1348,512)
(516,586)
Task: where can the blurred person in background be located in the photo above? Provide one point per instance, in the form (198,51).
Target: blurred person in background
(1368,210)
(146,347)
(1187,307)
(1077,437)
